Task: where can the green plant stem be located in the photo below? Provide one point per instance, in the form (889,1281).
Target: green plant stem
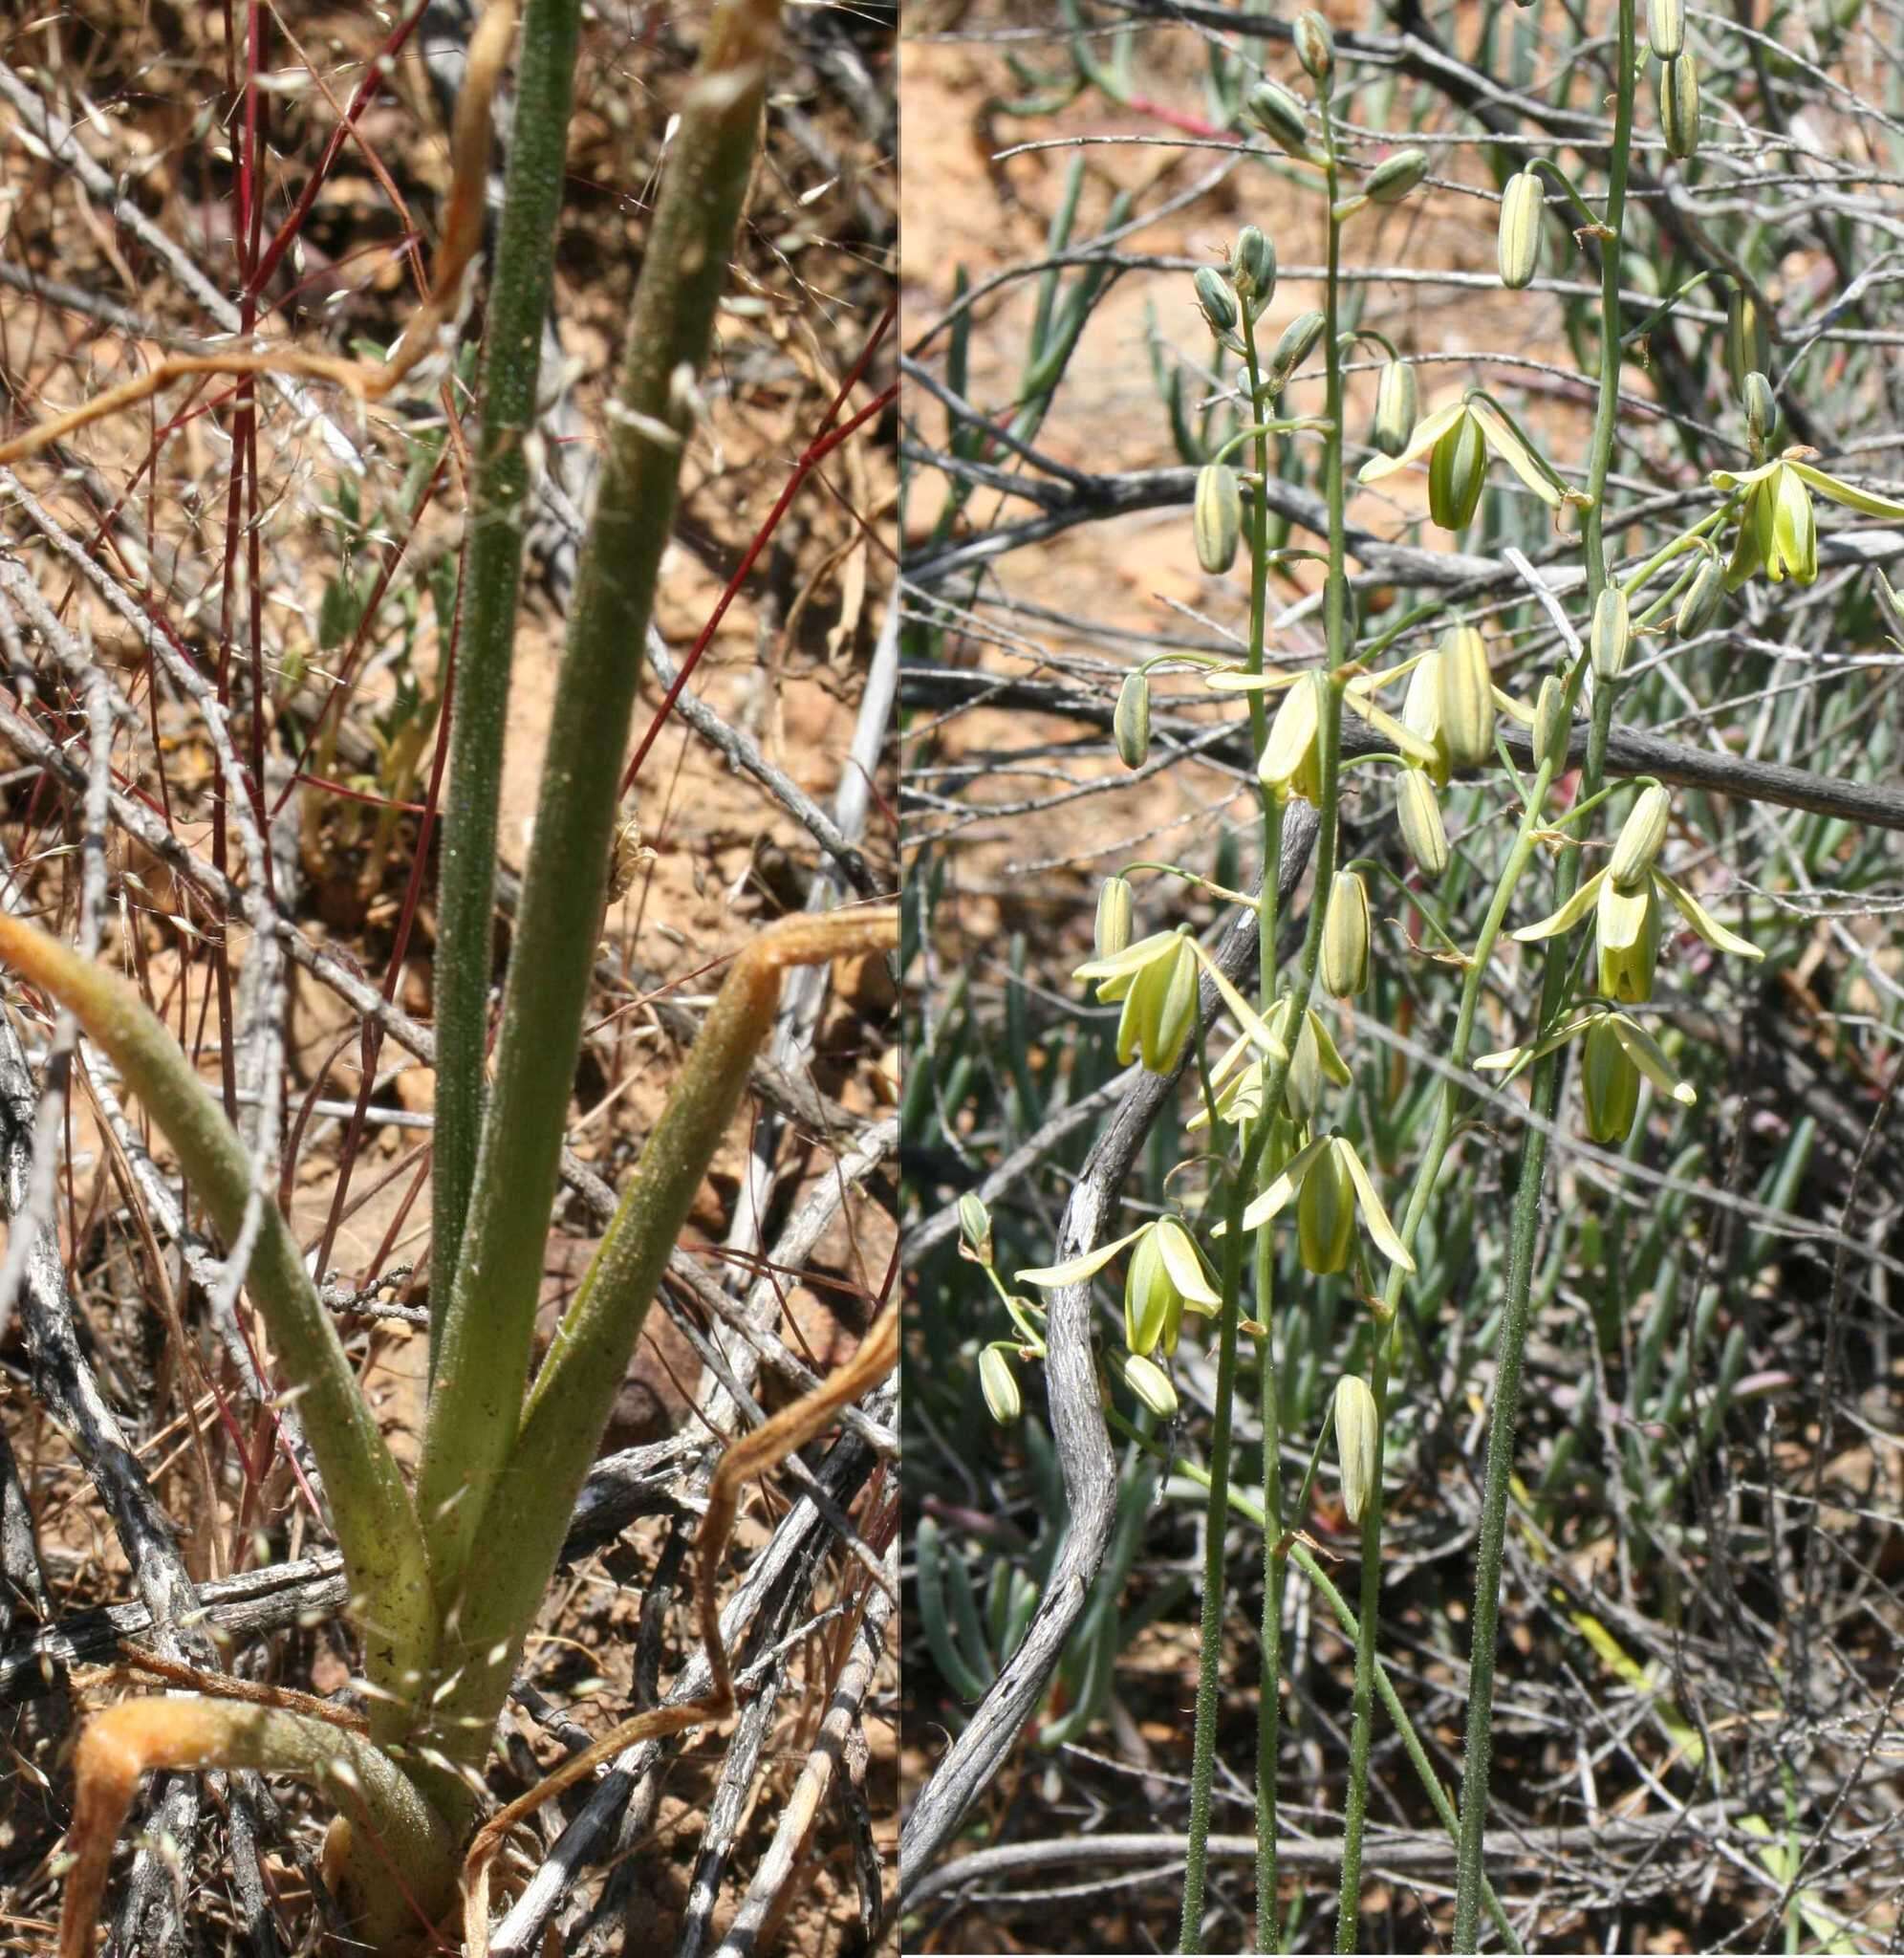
(1478,1756)
(518,305)
(384,1555)
(484,1356)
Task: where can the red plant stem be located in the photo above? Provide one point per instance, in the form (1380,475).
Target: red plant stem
(815,452)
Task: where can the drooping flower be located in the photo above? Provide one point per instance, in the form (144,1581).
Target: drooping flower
(1167,1277)
(1778,529)
(1332,1188)
(1617,1052)
(1455,438)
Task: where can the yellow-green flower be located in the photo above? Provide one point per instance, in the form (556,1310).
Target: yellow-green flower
(1455,438)
(1777,530)
(1156,980)
(1166,1278)
(1617,1052)
(1627,920)
(1332,1188)
(1239,1088)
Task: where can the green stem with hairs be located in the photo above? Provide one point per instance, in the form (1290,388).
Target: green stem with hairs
(1544,1091)
(518,305)
(483,1358)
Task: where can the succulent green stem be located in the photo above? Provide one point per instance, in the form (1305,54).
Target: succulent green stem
(1545,1088)
(482,1355)
(518,305)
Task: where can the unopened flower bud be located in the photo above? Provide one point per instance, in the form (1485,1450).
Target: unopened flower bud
(1357,1434)
(1551,727)
(1345,936)
(1679,106)
(975,1227)
(1000,1387)
(1395,176)
(1762,409)
(1253,268)
(1149,1383)
(1216,300)
(1666,32)
(1112,931)
(1641,838)
(1216,517)
(1419,816)
(1611,633)
(1396,403)
(1748,338)
(1278,114)
(1703,597)
(1465,697)
(1457,469)
(1517,243)
(1315,45)
(1130,725)
(1295,346)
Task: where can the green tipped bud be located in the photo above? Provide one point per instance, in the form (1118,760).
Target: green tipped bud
(1642,837)
(1395,406)
(1552,725)
(1130,725)
(1216,300)
(1357,1437)
(1679,106)
(1611,634)
(1216,517)
(1762,409)
(1000,1386)
(1113,932)
(1253,268)
(1278,114)
(1464,697)
(1457,469)
(1608,1086)
(1517,243)
(1345,936)
(975,1228)
(1395,176)
(1703,597)
(1420,817)
(1290,764)
(1666,28)
(1296,345)
(1748,339)
(1148,1382)
(1315,45)
(1326,1213)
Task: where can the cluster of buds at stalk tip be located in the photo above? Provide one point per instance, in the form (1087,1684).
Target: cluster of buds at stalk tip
(1331,1189)
(1625,898)
(1517,243)
(1455,440)
(1777,529)
(1358,1442)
